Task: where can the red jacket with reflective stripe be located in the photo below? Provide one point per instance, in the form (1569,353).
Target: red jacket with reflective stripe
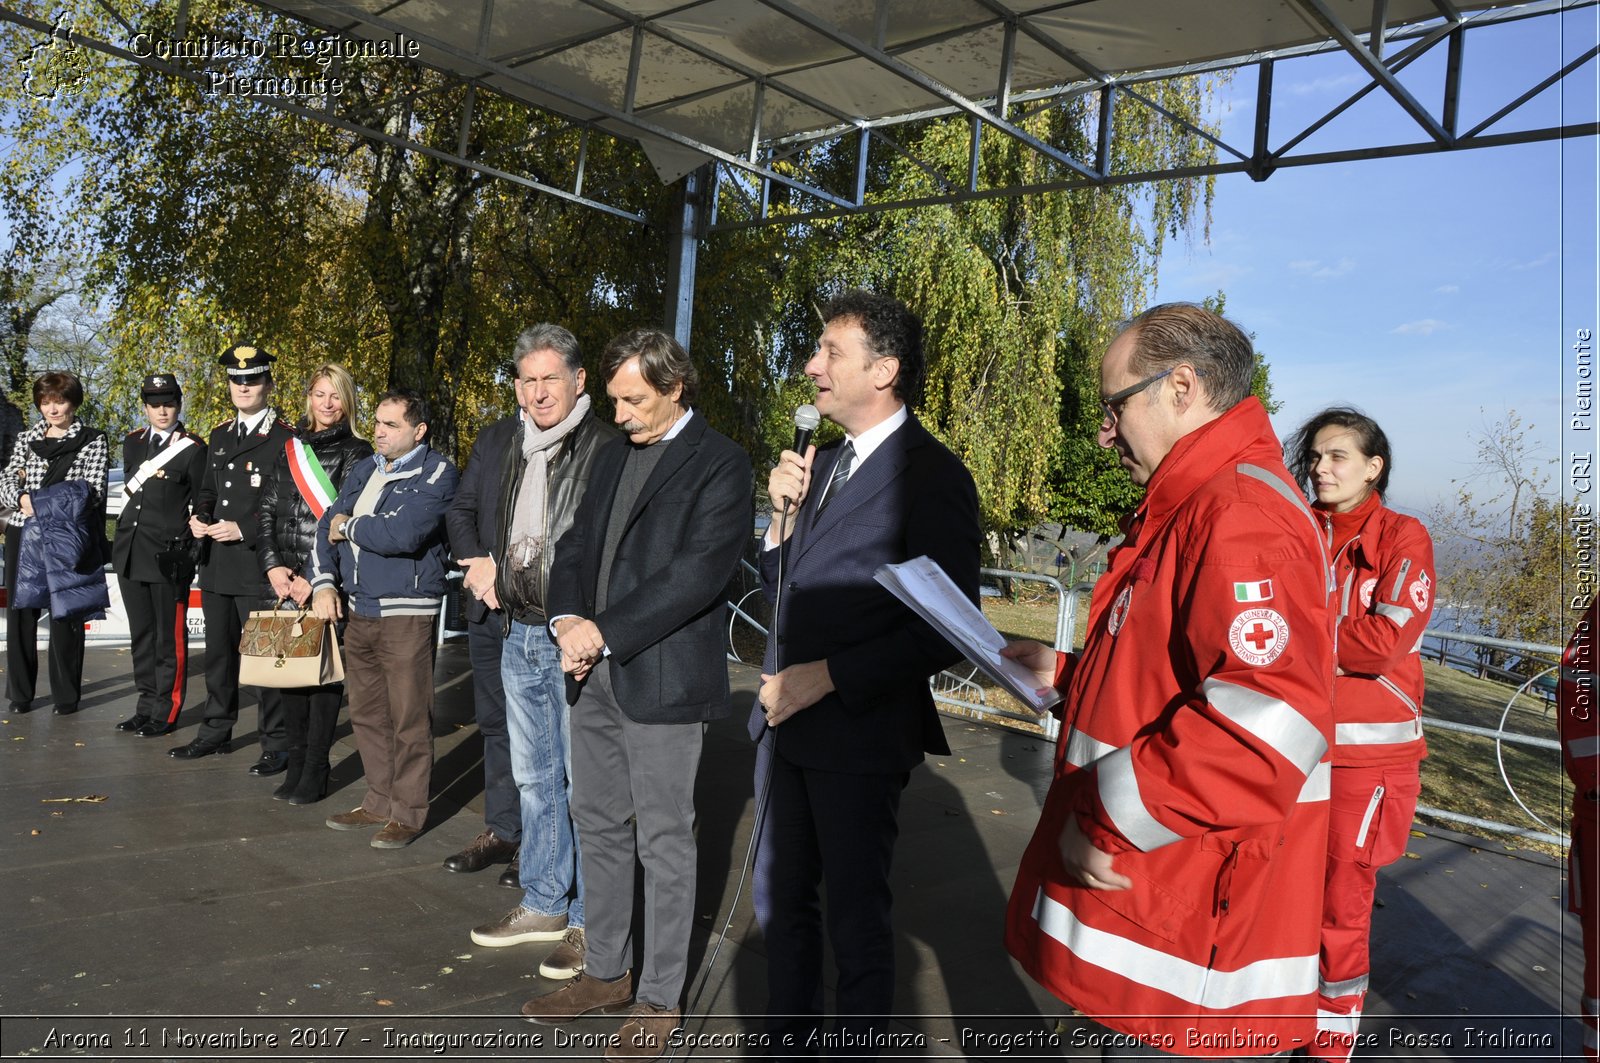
(1383,587)
(1579,699)
(1199,722)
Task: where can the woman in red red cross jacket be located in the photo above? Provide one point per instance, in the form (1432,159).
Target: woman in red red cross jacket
(1383,572)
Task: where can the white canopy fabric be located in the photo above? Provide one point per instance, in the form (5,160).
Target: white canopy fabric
(726,78)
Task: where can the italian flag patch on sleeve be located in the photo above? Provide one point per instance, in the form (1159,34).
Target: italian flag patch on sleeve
(1252,592)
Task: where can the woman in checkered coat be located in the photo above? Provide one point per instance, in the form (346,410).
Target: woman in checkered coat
(56,449)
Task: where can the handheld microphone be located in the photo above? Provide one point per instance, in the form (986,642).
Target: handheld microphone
(806,419)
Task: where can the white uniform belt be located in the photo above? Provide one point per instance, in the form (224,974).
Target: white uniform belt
(148,467)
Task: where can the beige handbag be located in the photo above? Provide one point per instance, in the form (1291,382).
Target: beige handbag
(288,648)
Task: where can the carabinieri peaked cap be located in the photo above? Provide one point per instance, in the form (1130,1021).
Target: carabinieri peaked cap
(161,386)
(245,361)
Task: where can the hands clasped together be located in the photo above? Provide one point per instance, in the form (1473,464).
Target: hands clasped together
(223,531)
(581,644)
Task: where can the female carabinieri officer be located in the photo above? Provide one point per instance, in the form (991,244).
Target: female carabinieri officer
(1383,570)
(153,553)
(324,449)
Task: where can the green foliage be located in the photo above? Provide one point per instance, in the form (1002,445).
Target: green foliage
(201,220)
(1261,379)
(207,219)
(1019,295)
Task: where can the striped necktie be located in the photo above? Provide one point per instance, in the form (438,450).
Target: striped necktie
(841,473)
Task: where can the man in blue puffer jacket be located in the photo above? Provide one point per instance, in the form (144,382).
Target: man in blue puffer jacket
(381,557)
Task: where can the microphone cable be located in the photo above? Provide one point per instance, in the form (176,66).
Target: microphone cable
(763,792)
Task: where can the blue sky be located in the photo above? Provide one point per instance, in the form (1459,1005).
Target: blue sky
(1421,289)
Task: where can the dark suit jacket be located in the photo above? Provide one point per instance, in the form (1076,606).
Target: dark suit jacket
(666,615)
(911,497)
(237,471)
(473,519)
(158,512)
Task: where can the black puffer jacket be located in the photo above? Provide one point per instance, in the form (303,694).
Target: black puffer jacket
(288,529)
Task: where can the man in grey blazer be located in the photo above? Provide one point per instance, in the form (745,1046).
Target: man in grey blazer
(637,607)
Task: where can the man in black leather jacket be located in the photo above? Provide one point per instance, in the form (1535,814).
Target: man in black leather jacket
(541,469)
(476,531)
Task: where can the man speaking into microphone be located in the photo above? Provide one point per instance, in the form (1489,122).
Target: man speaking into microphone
(844,712)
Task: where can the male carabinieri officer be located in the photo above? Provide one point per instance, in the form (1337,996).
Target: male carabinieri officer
(151,553)
(242,455)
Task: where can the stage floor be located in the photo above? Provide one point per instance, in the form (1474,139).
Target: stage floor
(162,909)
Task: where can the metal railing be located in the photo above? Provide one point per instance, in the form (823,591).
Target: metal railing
(958,689)
(1480,664)
(1480,661)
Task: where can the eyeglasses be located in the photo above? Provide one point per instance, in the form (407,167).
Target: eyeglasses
(1112,405)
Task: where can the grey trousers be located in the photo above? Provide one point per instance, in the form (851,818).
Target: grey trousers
(633,795)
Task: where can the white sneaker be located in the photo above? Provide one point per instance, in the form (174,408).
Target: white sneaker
(519,925)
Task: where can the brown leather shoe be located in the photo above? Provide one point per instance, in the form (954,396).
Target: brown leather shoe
(394,835)
(566,959)
(355,819)
(646,1034)
(578,997)
(487,848)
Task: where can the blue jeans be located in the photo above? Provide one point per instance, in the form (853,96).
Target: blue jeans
(539,724)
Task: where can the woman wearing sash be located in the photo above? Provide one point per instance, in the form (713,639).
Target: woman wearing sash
(57,449)
(316,461)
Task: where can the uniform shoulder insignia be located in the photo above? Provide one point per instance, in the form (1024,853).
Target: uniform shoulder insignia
(222,424)
(135,432)
(285,424)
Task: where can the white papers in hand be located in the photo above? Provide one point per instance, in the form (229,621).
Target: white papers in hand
(925,589)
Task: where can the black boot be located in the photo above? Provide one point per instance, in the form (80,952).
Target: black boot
(321,721)
(312,785)
(291,775)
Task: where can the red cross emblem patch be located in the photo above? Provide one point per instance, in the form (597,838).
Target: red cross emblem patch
(1119,611)
(1258,636)
(1367,587)
(1421,590)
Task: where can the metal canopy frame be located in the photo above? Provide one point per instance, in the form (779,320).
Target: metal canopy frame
(469,52)
(1382,55)
(738,95)
(748,159)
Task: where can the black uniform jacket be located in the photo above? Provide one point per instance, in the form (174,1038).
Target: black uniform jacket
(158,513)
(237,472)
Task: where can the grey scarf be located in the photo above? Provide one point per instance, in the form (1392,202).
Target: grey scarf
(526,541)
